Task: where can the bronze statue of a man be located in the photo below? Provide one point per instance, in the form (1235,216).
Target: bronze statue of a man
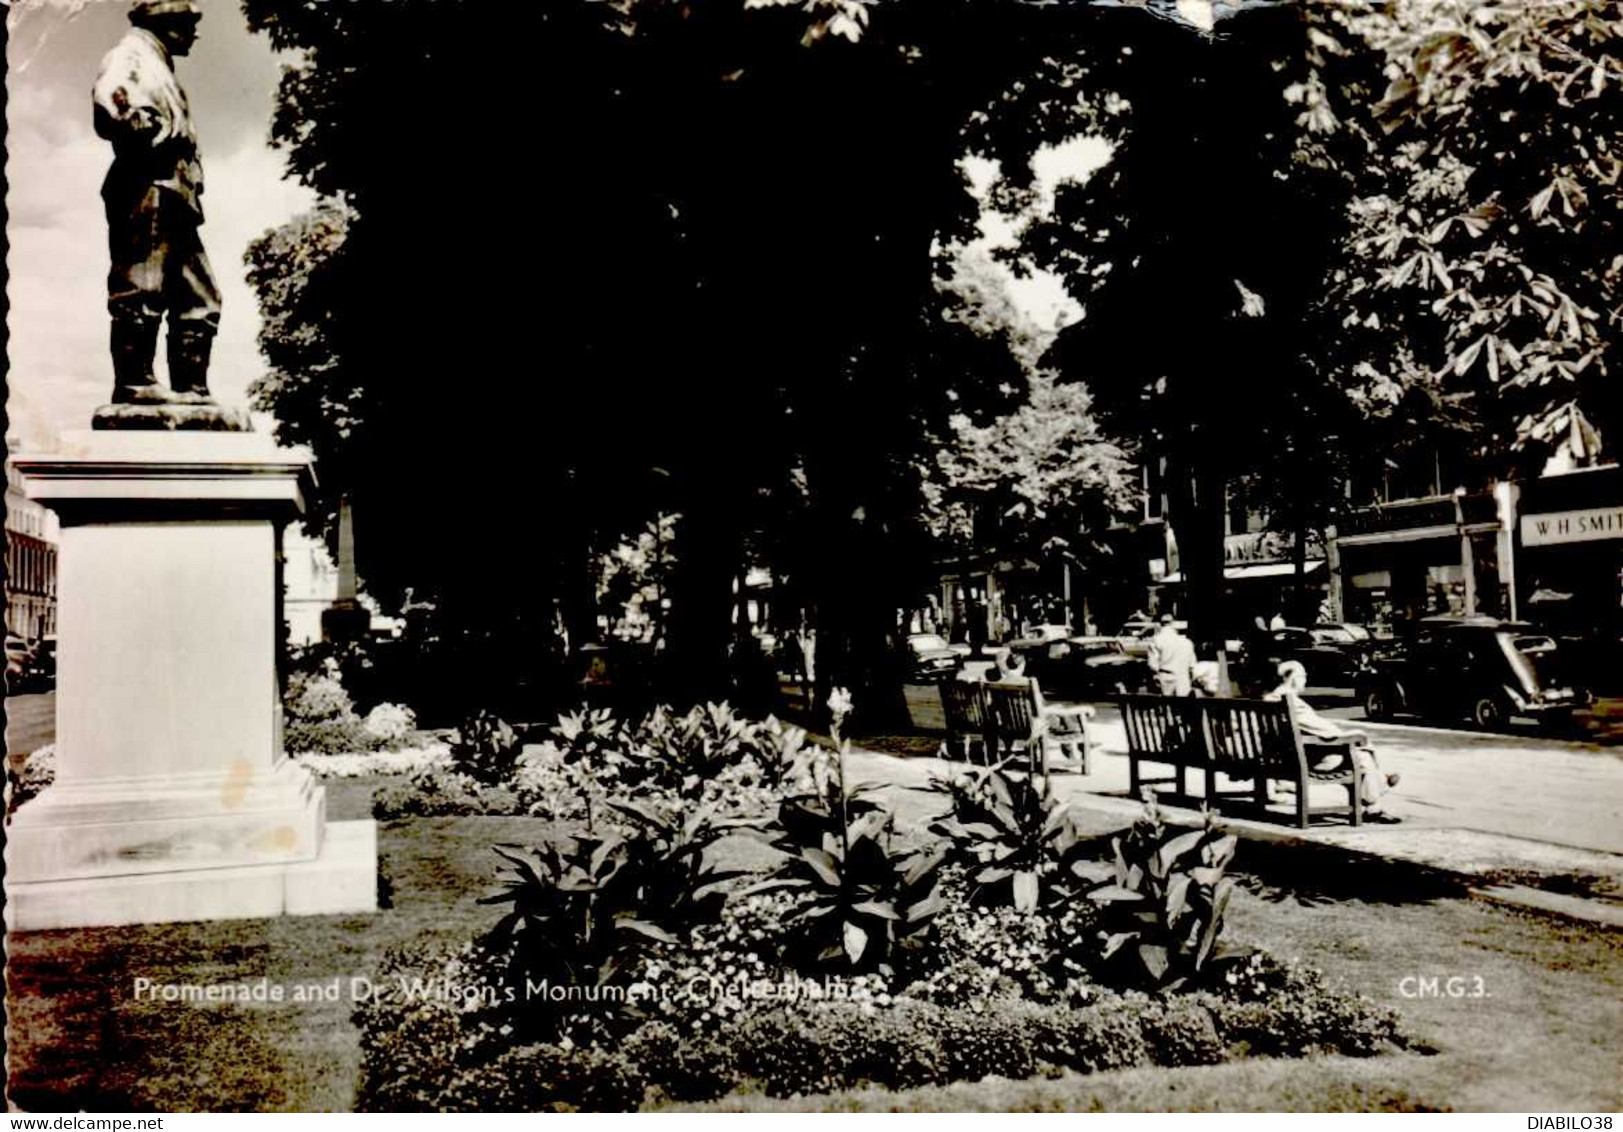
(152,194)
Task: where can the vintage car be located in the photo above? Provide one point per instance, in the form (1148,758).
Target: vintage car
(1334,655)
(1083,668)
(1477,668)
(1135,636)
(931,658)
(27,668)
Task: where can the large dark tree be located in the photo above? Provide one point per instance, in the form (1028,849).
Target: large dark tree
(1197,250)
(597,259)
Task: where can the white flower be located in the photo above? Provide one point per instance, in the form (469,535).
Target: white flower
(839,703)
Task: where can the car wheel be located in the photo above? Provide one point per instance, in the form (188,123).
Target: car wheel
(1488,713)
(1378,703)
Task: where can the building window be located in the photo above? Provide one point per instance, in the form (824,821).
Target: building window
(1154,488)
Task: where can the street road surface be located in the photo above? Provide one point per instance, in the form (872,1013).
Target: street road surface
(30,723)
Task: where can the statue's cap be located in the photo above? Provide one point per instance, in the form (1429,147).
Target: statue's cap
(143,10)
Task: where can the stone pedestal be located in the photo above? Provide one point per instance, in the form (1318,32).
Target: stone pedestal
(173,799)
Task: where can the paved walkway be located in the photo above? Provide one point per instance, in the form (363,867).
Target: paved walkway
(1531,788)
(1471,802)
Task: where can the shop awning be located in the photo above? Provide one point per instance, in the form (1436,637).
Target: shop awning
(1260,570)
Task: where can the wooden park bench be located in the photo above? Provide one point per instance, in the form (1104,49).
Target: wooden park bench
(995,719)
(964,705)
(1243,740)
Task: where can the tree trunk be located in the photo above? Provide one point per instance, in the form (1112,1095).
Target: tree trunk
(1299,599)
(1198,504)
(708,549)
(859,646)
(579,595)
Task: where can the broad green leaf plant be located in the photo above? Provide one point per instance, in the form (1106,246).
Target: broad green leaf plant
(861,901)
(1161,914)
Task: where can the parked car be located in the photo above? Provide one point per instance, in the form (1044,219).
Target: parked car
(1332,654)
(1135,636)
(1342,633)
(1083,668)
(931,658)
(1479,668)
(25,671)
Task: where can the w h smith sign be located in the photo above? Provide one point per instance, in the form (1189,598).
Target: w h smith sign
(1572,526)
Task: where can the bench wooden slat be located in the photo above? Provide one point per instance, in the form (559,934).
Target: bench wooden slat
(964,705)
(1019,715)
(1248,740)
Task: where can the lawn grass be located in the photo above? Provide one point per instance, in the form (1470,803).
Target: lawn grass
(1544,1039)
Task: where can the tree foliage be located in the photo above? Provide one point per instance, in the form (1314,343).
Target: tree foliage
(589,263)
(1044,471)
(608,260)
(1484,260)
(1196,314)
(317,402)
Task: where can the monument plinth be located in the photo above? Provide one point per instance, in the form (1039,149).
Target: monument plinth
(173,799)
(170,418)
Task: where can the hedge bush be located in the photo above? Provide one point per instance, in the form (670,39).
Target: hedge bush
(436,1055)
(38,771)
(319,718)
(710,753)
(438,791)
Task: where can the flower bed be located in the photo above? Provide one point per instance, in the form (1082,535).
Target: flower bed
(320,719)
(365,764)
(450,1049)
(629,963)
(591,758)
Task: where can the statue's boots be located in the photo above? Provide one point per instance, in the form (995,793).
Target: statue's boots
(134,342)
(190,344)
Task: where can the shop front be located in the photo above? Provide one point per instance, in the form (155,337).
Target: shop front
(1394,563)
(1261,581)
(1570,562)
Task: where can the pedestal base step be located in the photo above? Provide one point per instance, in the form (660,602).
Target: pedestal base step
(344,878)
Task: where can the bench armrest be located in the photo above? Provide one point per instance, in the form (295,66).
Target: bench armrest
(1350,739)
(1084,711)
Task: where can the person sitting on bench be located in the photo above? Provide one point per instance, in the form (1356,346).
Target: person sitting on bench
(1317,730)
(1065,723)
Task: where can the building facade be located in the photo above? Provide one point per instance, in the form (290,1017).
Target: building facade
(1395,562)
(309,585)
(1547,550)
(31,542)
(1568,543)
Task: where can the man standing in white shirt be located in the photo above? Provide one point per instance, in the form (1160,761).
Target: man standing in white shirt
(1172,659)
